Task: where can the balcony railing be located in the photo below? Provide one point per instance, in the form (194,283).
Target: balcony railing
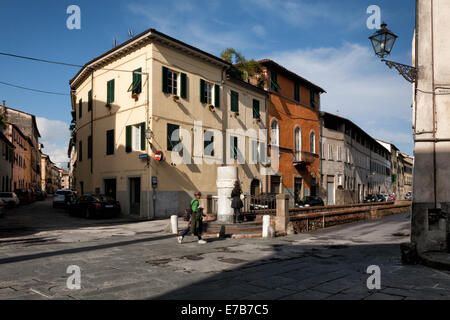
(303,157)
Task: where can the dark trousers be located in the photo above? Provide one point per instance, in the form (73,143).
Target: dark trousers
(186,231)
(238,216)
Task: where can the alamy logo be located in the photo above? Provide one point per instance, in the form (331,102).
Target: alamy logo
(74,20)
(374,21)
(374,281)
(74,280)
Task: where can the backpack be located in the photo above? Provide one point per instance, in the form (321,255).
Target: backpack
(187,214)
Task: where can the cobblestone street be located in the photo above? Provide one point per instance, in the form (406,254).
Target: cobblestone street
(122,259)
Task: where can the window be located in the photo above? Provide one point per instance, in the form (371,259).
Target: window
(274,81)
(234,151)
(80,108)
(110,92)
(330,152)
(206,92)
(110,142)
(254,152)
(89,147)
(136,86)
(90,100)
(135,137)
(275,133)
(312,142)
(311,98)
(174,82)
(296,92)
(234,101)
(297,144)
(339,154)
(208,143)
(173,136)
(80,151)
(256,114)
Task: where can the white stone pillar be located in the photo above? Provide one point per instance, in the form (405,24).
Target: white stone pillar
(266,227)
(174,224)
(226,176)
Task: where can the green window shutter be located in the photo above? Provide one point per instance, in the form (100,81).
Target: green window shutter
(256,114)
(296,92)
(183,89)
(110,92)
(90,100)
(143,136)
(202,91)
(110,142)
(128,139)
(165,87)
(89,147)
(80,108)
(274,81)
(234,101)
(137,81)
(172,143)
(217,96)
(311,98)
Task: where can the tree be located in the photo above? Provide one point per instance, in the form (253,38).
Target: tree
(243,69)
(3,122)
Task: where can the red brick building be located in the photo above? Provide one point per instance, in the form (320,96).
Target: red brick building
(293,122)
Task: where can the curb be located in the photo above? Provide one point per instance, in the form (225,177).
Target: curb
(441,261)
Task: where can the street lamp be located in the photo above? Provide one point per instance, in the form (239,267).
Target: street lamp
(383,41)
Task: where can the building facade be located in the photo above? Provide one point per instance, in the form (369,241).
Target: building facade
(353,164)
(6,162)
(20,178)
(27,124)
(293,122)
(152,125)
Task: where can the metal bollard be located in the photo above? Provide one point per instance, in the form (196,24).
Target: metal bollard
(174,224)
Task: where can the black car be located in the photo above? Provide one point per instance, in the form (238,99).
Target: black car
(92,206)
(310,201)
(374,198)
(263,201)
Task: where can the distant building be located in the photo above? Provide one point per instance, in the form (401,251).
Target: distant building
(293,123)
(353,164)
(27,124)
(6,162)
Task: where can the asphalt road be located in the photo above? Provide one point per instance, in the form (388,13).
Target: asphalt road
(122,259)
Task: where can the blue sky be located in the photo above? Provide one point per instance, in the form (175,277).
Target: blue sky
(324,41)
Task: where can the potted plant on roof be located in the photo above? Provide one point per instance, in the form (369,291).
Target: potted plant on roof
(176,98)
(211,108)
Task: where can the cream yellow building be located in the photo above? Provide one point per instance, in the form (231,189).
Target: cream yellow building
(128,104)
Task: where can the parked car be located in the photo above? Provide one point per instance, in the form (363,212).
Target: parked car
(392,197)
(263,201)
(371,198)
(408,196)
(39,195)
(2,209)
(90,206)
(310,201)
(9,199)
(61,197)
(25,196)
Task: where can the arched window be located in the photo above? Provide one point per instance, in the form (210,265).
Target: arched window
(297,143)
(275,133)
(312,142)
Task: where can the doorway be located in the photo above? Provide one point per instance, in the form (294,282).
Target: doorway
(330,190)
(135,195)
(298,189)
(110,187)
(254,187)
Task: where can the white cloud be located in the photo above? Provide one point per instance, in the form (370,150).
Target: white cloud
(55,136)
(362,88)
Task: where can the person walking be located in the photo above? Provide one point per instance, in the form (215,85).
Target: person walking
(236,203)
(195,224)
